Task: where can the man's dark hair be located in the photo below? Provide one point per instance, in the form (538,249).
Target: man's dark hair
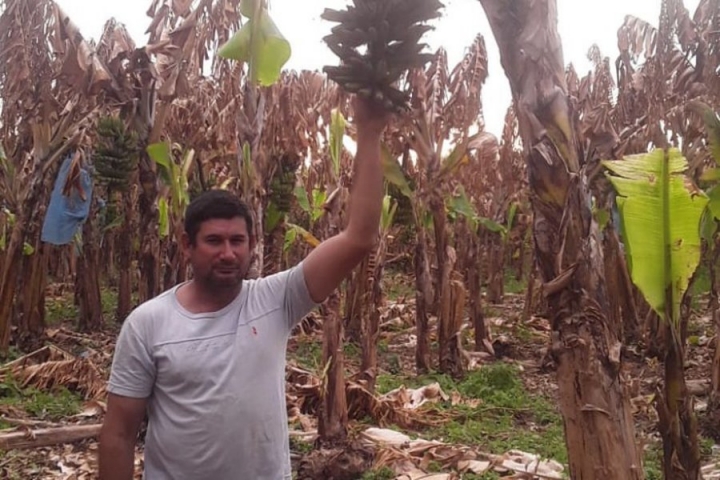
(215,204)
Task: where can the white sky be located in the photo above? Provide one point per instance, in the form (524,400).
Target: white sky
(580,23)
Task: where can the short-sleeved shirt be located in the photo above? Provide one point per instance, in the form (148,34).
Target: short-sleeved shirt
(215,381)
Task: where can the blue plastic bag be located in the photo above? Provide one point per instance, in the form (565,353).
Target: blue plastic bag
(65,214)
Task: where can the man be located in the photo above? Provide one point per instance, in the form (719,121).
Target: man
(206,359)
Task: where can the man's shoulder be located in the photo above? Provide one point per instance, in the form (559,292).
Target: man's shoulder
(270,289)
(271,278)
(146,313)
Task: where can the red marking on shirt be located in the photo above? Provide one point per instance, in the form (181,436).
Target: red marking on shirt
(254,331)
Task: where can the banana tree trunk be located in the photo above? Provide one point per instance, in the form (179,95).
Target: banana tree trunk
(13,264)
(357,296)
(713,408)
(477,316)
(88,281)
(148,121)
(275,242)
(32,288)
(9,281)
(371,327)
(676,418)
(452,308)
(125,257)
(450,360)
(619,286)
(149,258)
(712,415)
(713,256)
(333,417)
(599,429)
(438,212)
(496,265)
(423,295)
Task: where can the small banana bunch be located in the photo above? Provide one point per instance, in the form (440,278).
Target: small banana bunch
(115,154)
(391,31)
(282,185)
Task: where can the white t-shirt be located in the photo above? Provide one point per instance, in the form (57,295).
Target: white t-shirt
(215,381)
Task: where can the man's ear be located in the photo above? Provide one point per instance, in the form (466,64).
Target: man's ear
(185,243)
(253,242)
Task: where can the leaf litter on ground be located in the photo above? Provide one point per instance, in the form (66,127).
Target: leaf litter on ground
(80,363)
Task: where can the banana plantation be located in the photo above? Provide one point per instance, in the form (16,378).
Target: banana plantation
(541,304)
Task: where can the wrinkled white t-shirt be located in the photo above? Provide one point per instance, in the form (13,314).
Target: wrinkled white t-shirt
(215,381)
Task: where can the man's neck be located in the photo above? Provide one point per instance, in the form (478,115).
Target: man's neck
(197,297)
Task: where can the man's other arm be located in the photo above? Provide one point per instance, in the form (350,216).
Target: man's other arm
(118,436)
(132,377)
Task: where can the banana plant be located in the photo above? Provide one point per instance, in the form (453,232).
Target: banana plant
(497,242)
(660,212)
(175,176)
(711,177)
(458,204)
(710,227)
(6,225)
(313,203)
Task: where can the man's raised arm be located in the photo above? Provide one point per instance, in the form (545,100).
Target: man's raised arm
(333,260)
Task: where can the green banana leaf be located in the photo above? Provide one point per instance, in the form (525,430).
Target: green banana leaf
(301,196)
(388,213)
(273,217)
(247,7)
(459,205)
(661,213)
(160,154)
(512,211)
(319,197)
(714,201)
(174,175)
(299,232)
(492,225)
(393,172)
(267,56)
(163,218)
(337,133)
(708,227)
(712,126)
(710,175)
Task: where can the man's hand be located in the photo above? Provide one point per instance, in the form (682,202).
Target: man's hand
(369,117)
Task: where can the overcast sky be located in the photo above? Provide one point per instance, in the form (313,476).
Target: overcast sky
(580,23)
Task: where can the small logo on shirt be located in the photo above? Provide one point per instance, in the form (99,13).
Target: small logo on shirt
(254,330)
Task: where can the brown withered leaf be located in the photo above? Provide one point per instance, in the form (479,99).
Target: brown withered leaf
(50,366)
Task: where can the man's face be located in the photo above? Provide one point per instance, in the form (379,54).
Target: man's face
(221,254)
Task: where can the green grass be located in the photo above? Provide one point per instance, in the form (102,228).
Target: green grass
(308,353)
(508,416)
(300,446)
(60,309)
(384,473)
(512,284)
(63,309)
(352,350)
(13,353)
(41,405)
(652,459)
(485,476)
(396,285)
